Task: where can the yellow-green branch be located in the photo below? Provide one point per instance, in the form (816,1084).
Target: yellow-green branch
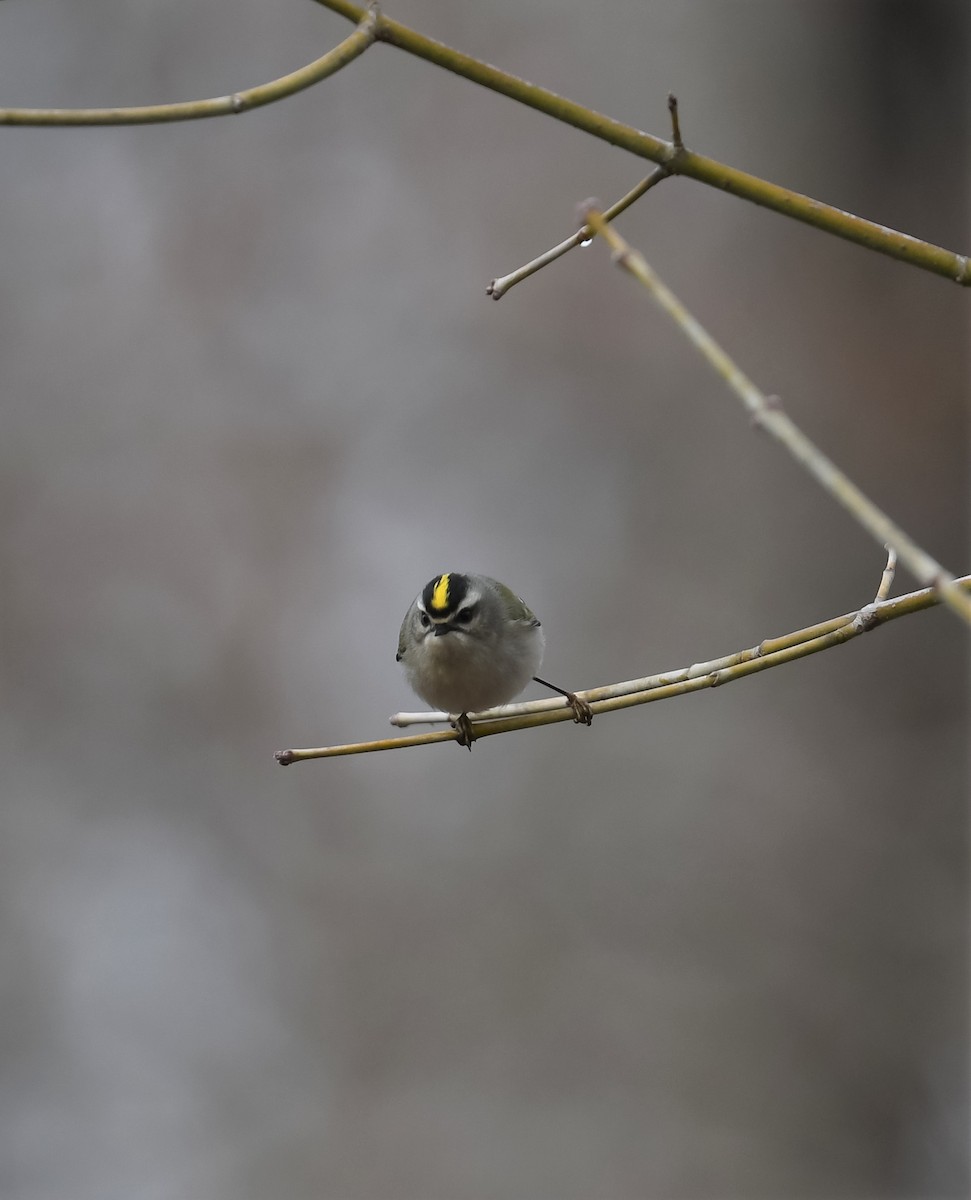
(219,106)
(676,159)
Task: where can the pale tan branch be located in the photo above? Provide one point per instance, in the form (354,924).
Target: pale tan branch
(770,653)
(886,579)
(676,159)
(219,106)
(767,413)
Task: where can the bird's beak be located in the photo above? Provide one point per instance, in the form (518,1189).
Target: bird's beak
(441,630)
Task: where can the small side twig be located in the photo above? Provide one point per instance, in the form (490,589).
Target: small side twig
(583,236)
(866,617)
(767,654)
(886,579)
(768,414)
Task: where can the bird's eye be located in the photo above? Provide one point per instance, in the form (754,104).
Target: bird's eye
(464,616)
(424,620)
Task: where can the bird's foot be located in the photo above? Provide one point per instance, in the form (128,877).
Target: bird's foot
(582,712)
(463,727)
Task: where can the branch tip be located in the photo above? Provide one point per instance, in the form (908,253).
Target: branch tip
(759,414)
(675,122)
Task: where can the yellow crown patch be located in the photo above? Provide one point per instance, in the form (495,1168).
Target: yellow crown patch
(439,600)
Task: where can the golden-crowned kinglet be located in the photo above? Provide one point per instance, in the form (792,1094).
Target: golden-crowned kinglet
(468,643)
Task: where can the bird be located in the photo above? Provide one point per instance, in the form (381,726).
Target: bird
(468,643)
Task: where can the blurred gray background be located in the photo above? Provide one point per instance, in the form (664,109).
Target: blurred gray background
(254,396)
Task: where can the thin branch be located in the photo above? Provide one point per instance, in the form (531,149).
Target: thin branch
(886,579)
(678,161)
(767,413)
(220,106)
(583,236)
(772,652)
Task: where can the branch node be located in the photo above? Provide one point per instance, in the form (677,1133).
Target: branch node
(770,404)
(285,757)
(867,618)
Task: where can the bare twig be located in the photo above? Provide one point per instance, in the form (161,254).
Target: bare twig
(677,160)
(583,236)
(767,413)
(220,106)
(886,579)
(770,653)
(867,616)
(676,140)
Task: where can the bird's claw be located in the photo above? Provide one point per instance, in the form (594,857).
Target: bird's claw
(463,727)
(582,712)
